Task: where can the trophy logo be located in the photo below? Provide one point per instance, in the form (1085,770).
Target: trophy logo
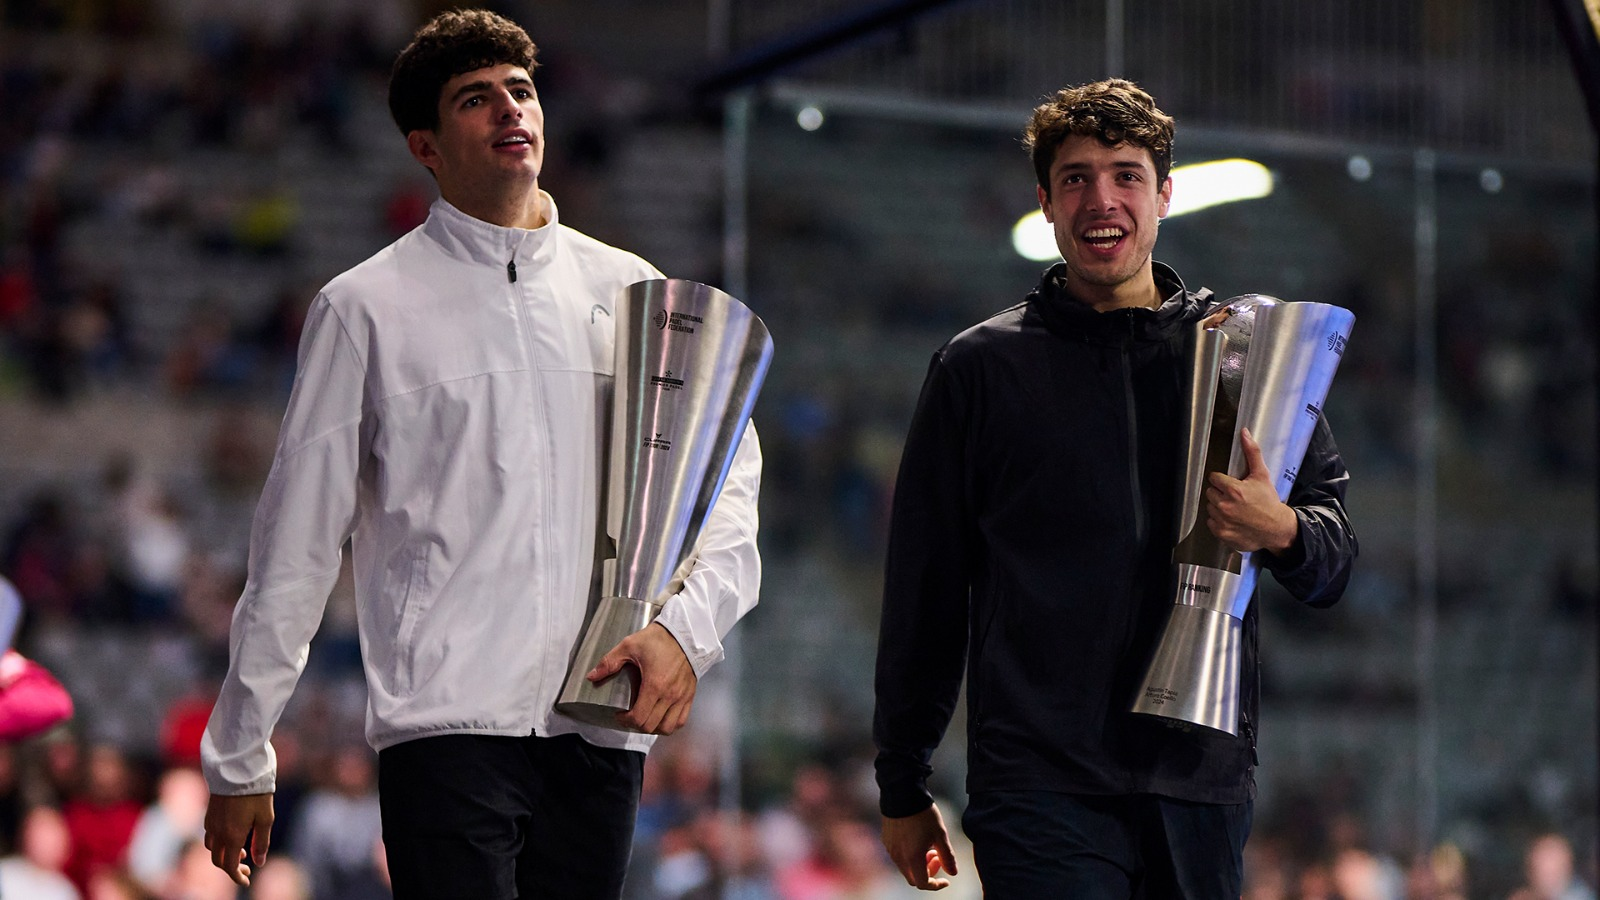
(1266,365)
(681,398)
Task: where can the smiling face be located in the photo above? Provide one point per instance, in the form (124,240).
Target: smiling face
(489,146)
(1106,205)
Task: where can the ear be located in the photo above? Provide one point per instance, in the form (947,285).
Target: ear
(421,143)
(1044,203)
(1166,198)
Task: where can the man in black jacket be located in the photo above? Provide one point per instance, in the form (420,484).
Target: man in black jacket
(1031,543)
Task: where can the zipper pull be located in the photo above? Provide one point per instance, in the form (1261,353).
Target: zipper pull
(511,271)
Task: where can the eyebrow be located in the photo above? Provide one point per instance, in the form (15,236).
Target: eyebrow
(485,84)
(1119,164)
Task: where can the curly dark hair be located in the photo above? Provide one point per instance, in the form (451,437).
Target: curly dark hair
(450,44)
(1115,111)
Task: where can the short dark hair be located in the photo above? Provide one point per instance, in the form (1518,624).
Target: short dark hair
(450,44)
(1115,111)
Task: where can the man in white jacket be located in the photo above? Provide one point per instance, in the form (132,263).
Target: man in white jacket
(447,418)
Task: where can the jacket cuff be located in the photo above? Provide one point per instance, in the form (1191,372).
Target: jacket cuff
(1296,557)
(902,786)
(243,772)
(903,800)
(695,629)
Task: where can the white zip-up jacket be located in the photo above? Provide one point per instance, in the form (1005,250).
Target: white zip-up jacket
(447,417)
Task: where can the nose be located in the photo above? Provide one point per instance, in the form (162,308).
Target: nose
(1098,195)
(510,109)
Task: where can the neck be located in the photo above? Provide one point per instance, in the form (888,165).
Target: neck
(522,208)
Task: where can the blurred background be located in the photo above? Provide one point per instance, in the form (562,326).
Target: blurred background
(179,177)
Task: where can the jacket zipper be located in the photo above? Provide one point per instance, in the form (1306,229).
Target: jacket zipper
(1133,433)
(522,301)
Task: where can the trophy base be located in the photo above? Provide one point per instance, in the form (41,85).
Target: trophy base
(1194,674)
(598,704)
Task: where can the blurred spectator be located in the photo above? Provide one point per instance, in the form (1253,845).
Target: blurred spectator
(233,465)
(62,766)
(175,818)
(102,815)
(406,206)
(1266,869)
(184,723)
(339,827)
(1550,872)
(789,833)
(267,223)
(115,884)
(19,296)
(195,878)
(37,555)
(710,856)
(846,863)
(153,542)
(276,337)
(36,870)
(280,878)
(1359,875)
(206,355)
(98,332)
(1441,875)
(210,591)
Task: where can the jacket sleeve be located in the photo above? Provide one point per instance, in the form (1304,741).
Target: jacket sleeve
(307,510)
(1317,569)
(726,579)
(922,635)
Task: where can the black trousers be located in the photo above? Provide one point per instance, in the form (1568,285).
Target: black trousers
(1032,844)
(479,817)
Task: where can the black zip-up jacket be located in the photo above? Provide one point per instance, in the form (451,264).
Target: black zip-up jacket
(1031,543)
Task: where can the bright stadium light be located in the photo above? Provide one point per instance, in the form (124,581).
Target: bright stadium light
(1033,238)
(1217,182)
(1194,187)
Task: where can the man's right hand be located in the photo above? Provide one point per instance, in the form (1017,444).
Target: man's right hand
(230,823)
(920,847)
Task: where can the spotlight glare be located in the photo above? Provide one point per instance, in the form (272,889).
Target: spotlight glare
(1203,185)
(1034,239)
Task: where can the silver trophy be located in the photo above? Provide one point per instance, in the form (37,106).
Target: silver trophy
(689,362)
(1266,365)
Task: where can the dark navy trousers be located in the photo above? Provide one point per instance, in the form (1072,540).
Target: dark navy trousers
(479,817)
(1036,844)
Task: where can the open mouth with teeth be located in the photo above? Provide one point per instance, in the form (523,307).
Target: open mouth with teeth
(1105,238)
(514,140)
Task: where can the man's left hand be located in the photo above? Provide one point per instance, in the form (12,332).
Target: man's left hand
(666,680)
(1246,513)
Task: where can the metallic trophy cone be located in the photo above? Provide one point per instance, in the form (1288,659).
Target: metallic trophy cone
(689,363)
(1266,365)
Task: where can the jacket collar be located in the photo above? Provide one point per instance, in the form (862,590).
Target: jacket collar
(476,241)
(1066,316)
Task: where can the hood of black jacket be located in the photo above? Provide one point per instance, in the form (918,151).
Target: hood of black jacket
(1068,317)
